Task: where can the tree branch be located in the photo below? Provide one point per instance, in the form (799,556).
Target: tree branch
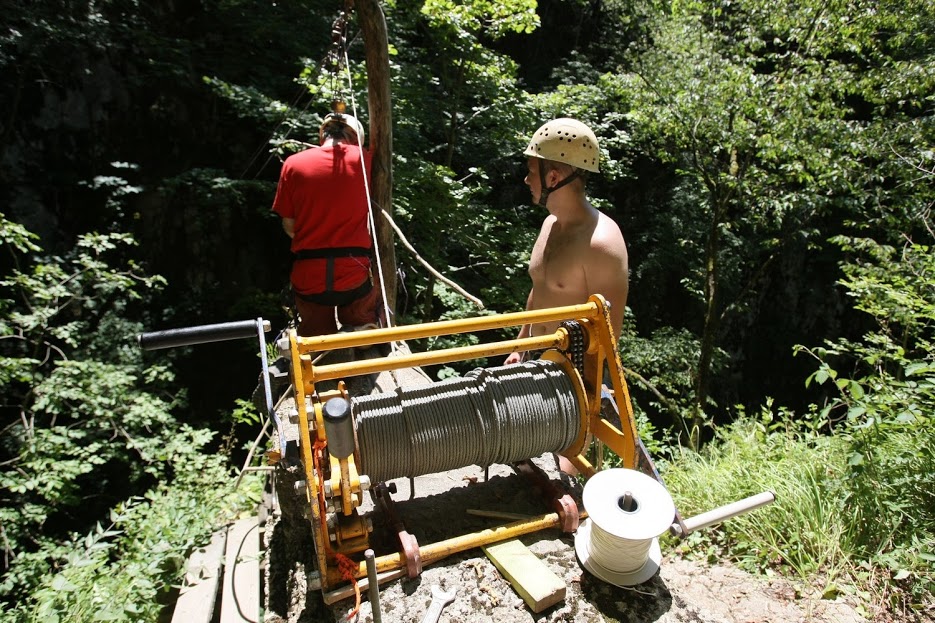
(668,404)
(441,277)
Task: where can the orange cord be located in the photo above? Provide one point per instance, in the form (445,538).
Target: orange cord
(318,447)
(346,566)
(348,569)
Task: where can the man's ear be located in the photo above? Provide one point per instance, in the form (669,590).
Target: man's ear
(551,178)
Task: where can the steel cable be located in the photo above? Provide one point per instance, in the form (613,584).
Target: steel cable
(491,415)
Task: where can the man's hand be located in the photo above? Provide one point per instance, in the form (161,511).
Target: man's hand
(514,358)
(288,226)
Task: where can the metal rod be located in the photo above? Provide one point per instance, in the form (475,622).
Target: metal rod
(189,336)
(721,513)
(444,327)
(496,514)
(374,586)
(434,552)
(261,326)
(382,364)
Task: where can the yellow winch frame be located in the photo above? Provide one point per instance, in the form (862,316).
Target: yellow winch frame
(600,351)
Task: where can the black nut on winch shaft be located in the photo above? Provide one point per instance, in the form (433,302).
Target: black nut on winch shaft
(339,428)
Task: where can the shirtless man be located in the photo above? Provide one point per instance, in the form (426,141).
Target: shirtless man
(580,251)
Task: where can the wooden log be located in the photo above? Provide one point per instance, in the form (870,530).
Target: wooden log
(376,50)
(531,578)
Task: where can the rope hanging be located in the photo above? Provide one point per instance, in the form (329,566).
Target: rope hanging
(495,415)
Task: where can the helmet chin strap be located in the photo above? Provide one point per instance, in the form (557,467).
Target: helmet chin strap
(544,191)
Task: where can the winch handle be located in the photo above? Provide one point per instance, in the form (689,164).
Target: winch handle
(222,332)
(204,334)
(685,527)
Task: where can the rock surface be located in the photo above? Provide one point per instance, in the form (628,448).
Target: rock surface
(681,592)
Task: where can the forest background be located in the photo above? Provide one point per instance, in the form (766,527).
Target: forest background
(770,164)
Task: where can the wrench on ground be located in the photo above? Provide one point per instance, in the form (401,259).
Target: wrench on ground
(440,599)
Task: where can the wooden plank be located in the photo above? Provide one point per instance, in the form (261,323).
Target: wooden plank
(531,578)
(240,602)
(200,587)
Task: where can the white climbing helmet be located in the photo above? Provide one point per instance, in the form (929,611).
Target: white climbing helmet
(566,140)
(345,120)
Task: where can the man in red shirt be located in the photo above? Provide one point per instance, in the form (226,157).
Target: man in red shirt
(322,198)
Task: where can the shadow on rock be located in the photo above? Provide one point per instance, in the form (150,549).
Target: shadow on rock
(643,603)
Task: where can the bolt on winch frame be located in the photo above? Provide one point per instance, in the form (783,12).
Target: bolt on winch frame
(333,485)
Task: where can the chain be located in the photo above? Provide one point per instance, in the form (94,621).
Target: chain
(577,347)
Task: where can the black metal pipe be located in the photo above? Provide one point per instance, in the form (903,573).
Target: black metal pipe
(203,334)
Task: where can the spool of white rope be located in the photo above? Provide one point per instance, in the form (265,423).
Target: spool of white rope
(627,511)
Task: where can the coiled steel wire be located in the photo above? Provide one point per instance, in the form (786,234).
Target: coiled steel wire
(491,415)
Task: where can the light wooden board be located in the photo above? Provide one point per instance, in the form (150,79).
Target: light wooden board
(531,578)
(202,576)
(240,602)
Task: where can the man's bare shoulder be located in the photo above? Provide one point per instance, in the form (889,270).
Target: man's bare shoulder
(607,237)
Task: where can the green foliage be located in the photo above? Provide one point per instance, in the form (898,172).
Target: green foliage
(460,121)
(802,530)
(82,439)
(775,119)
(860,500)
(494,19)
(855,481)
(127,571)
(661,368)
(882,407)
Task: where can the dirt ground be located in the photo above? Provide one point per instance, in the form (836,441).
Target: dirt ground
(681,591)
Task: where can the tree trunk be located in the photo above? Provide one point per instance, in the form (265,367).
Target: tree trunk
(711,324)
(373,28)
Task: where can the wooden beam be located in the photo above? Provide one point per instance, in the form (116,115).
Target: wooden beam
(531,578)
(240,602)
(200,588)
(376,49)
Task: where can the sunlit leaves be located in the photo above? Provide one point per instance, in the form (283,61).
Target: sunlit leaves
(77,417)
(494,19)
(883,401)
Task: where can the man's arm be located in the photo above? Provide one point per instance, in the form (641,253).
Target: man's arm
(608,274)
(288,226)
(524,331)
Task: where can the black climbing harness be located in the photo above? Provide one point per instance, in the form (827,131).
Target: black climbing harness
(330,296)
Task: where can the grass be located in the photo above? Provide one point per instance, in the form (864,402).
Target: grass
(812,532)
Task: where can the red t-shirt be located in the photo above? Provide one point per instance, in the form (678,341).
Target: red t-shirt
(322,188)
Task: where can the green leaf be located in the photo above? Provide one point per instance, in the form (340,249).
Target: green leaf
(831,591)
(61,583)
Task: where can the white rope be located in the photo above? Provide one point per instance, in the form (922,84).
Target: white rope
(627,511)
(618,554)
(371,224)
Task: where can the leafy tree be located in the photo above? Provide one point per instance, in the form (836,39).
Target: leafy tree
(80,436)
(755,104)
(458,160)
